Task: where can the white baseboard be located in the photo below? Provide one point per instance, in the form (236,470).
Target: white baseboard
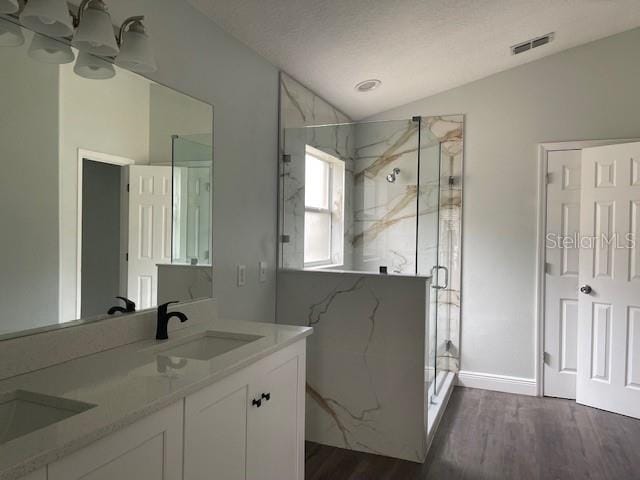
(498,383)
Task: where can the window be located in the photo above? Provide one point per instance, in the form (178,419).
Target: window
(323,209)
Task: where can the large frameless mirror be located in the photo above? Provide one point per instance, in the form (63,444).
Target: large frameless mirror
(105,189)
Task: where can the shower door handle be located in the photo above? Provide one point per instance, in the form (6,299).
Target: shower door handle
(446,276)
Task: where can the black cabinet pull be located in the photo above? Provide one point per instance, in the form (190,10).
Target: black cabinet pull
(266,396)
(257,402)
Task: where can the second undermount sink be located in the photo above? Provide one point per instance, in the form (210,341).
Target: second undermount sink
(208,345)
(23,412)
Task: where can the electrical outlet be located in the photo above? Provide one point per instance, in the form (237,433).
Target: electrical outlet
(242,275)
(262,271)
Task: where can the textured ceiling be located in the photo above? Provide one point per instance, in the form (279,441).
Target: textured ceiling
(416,47)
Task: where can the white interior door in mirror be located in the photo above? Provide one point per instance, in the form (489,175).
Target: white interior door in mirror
(609,314)
(561,274)
(149,230)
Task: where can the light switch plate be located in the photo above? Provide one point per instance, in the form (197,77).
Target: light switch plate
(262,271)
(242,275)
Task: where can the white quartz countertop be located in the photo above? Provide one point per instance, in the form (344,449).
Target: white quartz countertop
(126,384)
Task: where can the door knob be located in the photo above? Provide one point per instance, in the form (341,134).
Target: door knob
(586,289)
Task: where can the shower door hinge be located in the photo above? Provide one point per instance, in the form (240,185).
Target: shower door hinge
(128,187)
(549,178)
(285,238)
(126,257)
(417,118)
(286,158)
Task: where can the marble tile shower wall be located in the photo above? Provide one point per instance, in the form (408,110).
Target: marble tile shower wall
(380,218)
(365,359)
(385,213)
(299,107)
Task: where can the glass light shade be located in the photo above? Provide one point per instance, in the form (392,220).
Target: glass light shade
(9,6)
(95,33)
(10,34)
(136,52)
(93,68)
(49,17)
(47,50)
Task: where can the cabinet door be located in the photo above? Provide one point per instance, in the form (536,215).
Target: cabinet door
(215,431)
(272,434)
(150,449)
(37,475)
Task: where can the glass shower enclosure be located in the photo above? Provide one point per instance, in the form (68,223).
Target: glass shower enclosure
(365,197)
(192,157)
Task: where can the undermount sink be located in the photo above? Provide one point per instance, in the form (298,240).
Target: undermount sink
(208,345)
(23,412)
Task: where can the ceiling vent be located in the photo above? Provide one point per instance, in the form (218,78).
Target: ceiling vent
(533,43)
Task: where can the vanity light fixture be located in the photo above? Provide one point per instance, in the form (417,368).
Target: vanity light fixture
(95,31)
(92,67)
(49,17)
(10,34)
(47,50)
(136,52)
(9,6)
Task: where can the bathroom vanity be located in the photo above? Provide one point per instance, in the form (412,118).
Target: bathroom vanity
(222,398)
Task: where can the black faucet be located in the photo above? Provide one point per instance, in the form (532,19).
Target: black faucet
(129,307)
(163,320)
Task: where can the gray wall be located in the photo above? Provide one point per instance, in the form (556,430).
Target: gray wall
(171,113)
(28,191)
(100,237)
(589,92)
(196,57)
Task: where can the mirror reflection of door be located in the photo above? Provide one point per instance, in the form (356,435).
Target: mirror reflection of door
(125,218)
(149,231)
(102,250)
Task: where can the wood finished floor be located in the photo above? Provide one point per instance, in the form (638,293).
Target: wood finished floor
(490,435)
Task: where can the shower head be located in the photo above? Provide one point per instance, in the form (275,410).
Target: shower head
(391,178)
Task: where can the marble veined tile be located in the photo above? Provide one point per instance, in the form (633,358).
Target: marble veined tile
(366,359)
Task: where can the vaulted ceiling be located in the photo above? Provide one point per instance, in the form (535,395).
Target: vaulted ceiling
(416,47)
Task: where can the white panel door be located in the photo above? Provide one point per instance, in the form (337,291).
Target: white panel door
(272,430)
(609,315)
(561,276)
(149,230)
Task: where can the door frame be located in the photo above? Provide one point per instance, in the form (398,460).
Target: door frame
(95,157)
(543,152)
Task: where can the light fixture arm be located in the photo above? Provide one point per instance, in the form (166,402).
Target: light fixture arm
(127,23)
(81,9)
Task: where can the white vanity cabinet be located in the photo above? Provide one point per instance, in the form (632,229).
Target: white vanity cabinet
(150,449)
(250,425)
(247,426)
(37,475)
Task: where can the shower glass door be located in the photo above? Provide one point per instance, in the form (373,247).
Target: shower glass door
(428,244)
(192,157)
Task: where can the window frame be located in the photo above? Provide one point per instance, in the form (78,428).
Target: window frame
(332,163)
